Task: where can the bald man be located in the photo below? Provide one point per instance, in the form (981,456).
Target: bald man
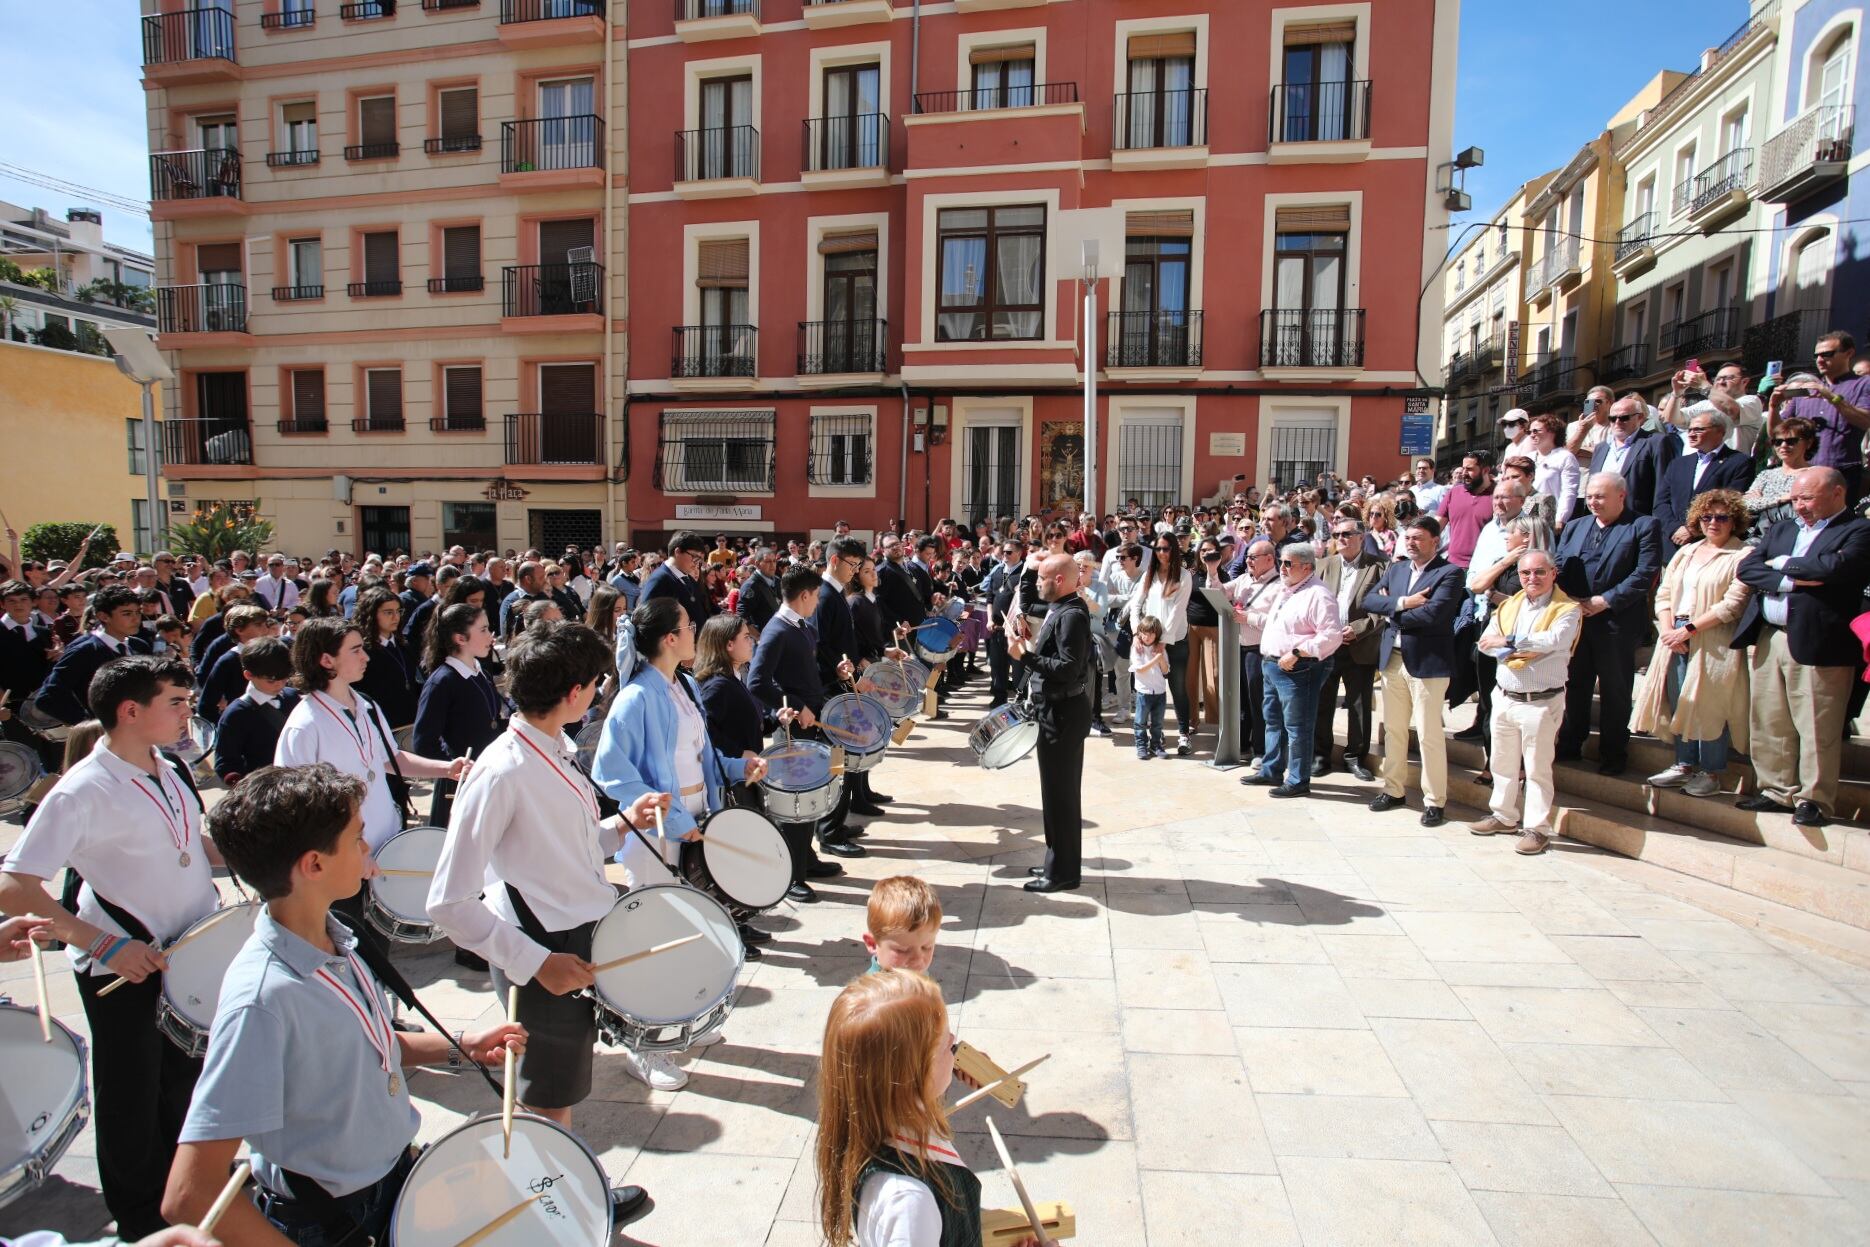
(1060,692)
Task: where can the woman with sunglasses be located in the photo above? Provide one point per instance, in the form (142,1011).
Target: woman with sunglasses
(1695,691)
(1556,471)
(1769,498)
(1164,592)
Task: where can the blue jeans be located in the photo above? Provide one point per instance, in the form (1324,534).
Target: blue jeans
(1708,755)
(1290,707)
(1149,710)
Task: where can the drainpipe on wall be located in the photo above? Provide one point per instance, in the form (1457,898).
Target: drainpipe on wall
(902,477)
(915,53)
(612,108)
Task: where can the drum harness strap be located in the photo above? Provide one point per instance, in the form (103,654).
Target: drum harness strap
(68,895)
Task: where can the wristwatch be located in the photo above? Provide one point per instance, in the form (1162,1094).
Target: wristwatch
(457,1055)
(1689,627)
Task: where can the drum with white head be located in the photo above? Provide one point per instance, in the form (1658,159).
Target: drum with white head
(665,1000)
(586,742)
(396,900)
(20,769)
(1004,736)
(742,861)
(44,1098)
(466,1180)
(862,725)
(799,786)
(198,961)
(898,685)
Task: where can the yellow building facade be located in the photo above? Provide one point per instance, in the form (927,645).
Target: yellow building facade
(72,428)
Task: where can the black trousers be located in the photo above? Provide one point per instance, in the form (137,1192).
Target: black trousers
(999,668)
(1063,725)
(1252,707)
(1461,684)
(1178,683)
(140,1088)
(1486,675)
(1358,680)
(1605,663)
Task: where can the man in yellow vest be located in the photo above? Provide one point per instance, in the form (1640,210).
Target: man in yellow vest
(1532,636)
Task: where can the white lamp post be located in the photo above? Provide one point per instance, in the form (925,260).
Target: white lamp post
(1088,250)
(138,359)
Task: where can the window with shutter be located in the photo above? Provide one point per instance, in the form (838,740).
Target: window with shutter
(461,397)
(556,238)
(308,401)
(567,389)
(1321,218)
(220,257)
(722,264)
(382,263)
(383,396)
(376,128)
(459,114)
(460,259)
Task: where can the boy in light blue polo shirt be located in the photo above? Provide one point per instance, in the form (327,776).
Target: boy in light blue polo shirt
(302,1062)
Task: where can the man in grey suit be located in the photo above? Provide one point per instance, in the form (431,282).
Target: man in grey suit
(1349,574)
(1420,595)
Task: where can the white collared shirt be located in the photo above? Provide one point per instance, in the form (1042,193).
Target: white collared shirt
(1773,605)
(691,737)
(1553,665)
(255,696)
(116,825)
(28,629)
(318,730)
(791,616)
(524,816)
(469,667)
(894,1209)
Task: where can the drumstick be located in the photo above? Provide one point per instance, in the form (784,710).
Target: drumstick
(657,811)
(499,1222)
(842,733)
(647,952)
(732,847)
(200,930)
(406,874)
(1019,1188)
(225,1199)
(987,1090)
(506,1100)
(38,979)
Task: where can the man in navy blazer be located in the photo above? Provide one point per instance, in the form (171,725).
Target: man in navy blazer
(1421,596)
(679,577)
(1608,564)
(1639,455)
(1808,580)
(66,693)
(1707,464)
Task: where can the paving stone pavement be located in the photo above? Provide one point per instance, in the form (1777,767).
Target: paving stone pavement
(1270,1023)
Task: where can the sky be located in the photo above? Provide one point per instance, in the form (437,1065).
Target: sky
(1535,82)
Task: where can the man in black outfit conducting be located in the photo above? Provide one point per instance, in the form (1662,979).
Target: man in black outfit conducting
(1061,665)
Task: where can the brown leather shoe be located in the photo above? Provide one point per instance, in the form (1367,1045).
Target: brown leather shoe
(1533,842)
(1489,826)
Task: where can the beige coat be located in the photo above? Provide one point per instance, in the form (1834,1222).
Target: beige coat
(1714,688)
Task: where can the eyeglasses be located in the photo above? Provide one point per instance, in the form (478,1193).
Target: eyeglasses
(1788,441)
(1349,532)
(1717,519)
(1625,418)
(1534,571)
(1292,563)
(1826,354)
(1701,428)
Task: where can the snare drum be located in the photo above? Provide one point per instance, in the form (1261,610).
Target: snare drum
(863,727)
(1004,736)
(742,861)
(663,1002)
(44,1098)
(799,786)
(935,639)
(398,905)
(20,769)
(463,1181)
(196,750)
(898,685)
(37,719)
(198,961)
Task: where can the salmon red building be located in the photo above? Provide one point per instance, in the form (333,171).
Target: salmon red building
(861,229)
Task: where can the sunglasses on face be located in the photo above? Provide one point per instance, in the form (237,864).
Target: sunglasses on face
(1717,519)
(1788,441)
(1292,563)
(1625,418)
(1825,354)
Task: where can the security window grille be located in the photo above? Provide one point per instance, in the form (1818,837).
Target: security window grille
(1301,452)
(1150,458)
(715,451)
(383,396)
(556,529)
(307,395)
(990,471)
(384,529)
(461,396)
(991,280)
(460,118)
(840,450)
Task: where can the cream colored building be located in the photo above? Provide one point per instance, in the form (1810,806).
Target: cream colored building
(385,277)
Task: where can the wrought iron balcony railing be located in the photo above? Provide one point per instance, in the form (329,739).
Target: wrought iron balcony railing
(1638,234)
(540,438)
(1164,339)
(1629,360)
(543,144)
(207,308)
(1147,119)
(699,10)
(830,347)
(382,288)
(848,142)
(213,440)
(1316,338)
(288,19)
(294,294)
(1321,112)
(372,151)
(284,160)
(205,173)
(1730,173)
(1813,150)
(717,152)
(457,283)
(188,35)
(715,351)
(1033,95)
(1714,329)
(552,289)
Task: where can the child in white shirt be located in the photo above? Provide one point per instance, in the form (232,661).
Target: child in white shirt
(1149,667)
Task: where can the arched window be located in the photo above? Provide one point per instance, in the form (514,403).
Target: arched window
(1811,272)
(1829,85)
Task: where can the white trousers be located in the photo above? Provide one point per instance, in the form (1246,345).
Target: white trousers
(1524,733)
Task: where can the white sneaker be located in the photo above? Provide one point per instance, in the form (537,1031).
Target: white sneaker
(654,1070)
(708,1040)
(1701,784)
(1675,777)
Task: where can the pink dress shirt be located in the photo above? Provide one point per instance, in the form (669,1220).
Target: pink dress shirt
(1304,620)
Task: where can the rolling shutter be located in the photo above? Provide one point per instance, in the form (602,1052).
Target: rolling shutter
(558,237)
(1173,43)
(567,389)
(993,56)
(460,110)
(1161,224)
(1315,219)
(723,264)
(308,396)
(382,262)
(461,251)
(385,389)
(220,257)
(1299,34)
(376,120)
(462,396)
(847,244)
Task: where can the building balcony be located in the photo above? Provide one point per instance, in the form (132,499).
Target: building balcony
(1550,381)
(203,315)
(1719,193)
(1164,345)
(717,162)
(288,160)
(825,14)
(443,6)
(1458,369)
(297,294)
(1790,338)
(551,23)
(202,182)
(1636,246)
(1319,123)
(372,151)
(300,428)
(1631,360)
(552,298)
(993,99)
(189,45)
(457,283)
(289,19)
(849,352)
(846,151)
(382,288)
(219,441)
(548,439)
(1714,330)
(379,424)
(1808,155)
(702,21)
(1560,269)
(1160,130)
(457,424)
(367,10)
(552,153)
(715,357)
(956,129)
(1320,344)
(452,146)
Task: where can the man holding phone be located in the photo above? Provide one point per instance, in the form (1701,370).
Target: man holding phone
(1727,394)
(1838,406)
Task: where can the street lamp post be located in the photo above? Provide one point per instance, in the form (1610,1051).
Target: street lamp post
(138,359)
(1089,250)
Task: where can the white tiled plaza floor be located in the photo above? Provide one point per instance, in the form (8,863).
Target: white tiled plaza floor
(1270,1023)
